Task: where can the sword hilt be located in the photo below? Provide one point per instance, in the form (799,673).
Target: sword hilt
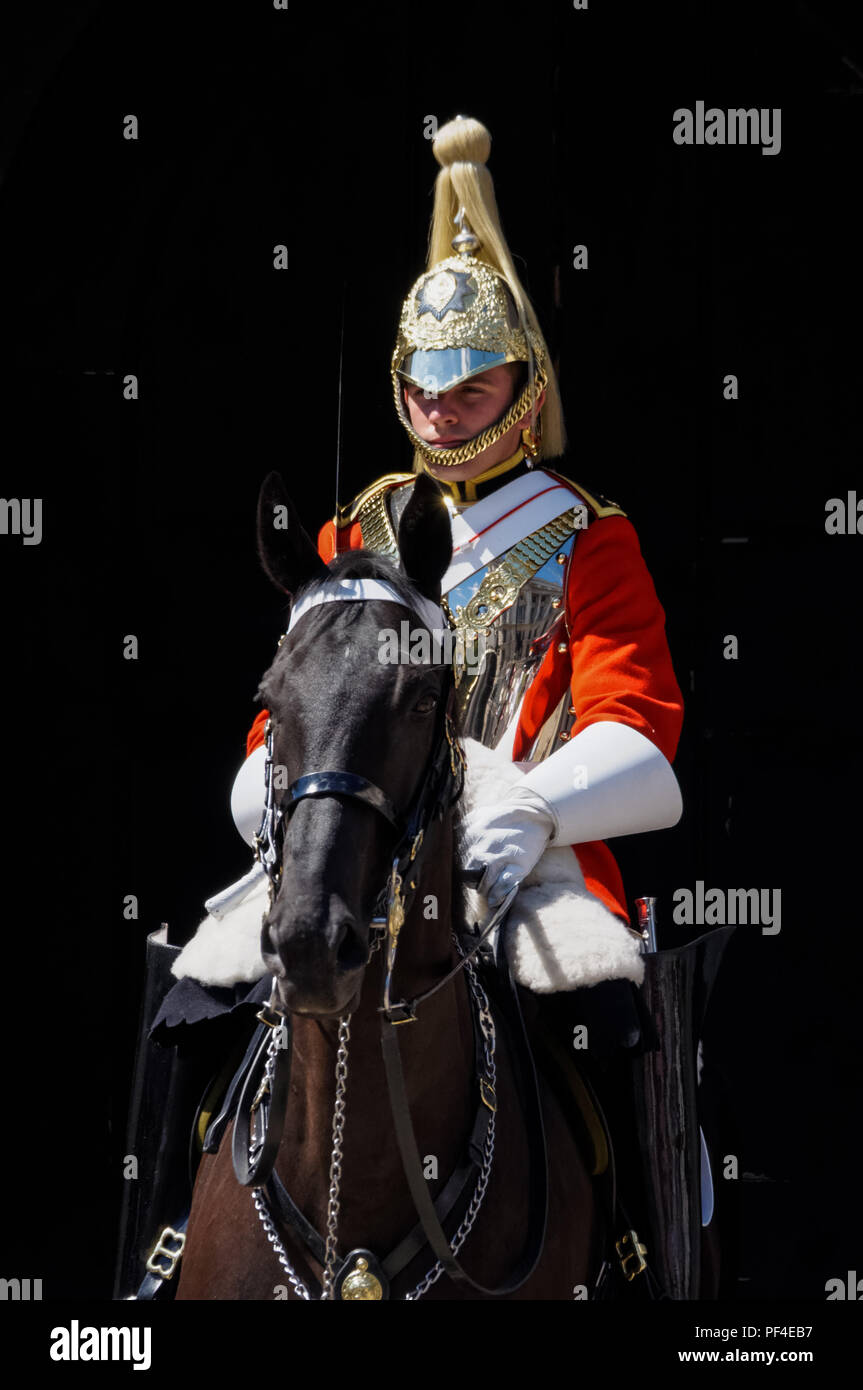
(647,924)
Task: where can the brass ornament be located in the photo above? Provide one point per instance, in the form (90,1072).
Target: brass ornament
(395,922)
(531,443)
(361,1283)
(463,302)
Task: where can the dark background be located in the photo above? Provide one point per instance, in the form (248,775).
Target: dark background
(154,257)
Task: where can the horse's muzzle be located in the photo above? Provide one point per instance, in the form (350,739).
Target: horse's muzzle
(318,963)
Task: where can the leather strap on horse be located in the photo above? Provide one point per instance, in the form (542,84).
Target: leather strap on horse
(262,1103)
(528,1088)
(285,1208)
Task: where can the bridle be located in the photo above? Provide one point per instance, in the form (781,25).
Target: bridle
(439,789)
(262,1107)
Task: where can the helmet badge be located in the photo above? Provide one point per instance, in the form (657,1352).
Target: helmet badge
(448,291)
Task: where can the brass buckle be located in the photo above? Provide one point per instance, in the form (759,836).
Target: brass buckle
(486,1086)
(172,1256)
(264,1015)
(272,1012)
(407,1011)
(636,1252)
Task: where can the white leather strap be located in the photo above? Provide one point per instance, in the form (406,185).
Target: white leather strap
(359,590)
(495,524)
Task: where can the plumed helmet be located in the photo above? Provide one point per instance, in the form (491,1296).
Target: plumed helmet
(468,312)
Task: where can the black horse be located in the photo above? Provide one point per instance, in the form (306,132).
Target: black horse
(334,705)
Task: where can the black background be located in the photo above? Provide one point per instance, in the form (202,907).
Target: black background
(155,257)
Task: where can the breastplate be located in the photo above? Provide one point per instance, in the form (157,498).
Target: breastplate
(507,615)
(508,618)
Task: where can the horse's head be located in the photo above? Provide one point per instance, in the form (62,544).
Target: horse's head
(339,702)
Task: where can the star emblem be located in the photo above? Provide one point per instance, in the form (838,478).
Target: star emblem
(449,291)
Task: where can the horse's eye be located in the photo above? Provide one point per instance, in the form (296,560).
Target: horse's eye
(425,705)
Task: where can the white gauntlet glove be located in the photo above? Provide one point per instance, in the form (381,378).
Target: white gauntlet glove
(506,840)
(609,780)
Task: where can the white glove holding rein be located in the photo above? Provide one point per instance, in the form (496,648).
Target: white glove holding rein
(609,780)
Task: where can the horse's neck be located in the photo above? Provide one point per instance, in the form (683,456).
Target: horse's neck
(437,1055)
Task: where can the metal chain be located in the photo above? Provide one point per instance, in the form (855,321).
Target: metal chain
(335,1176)
(273,1238)
(489,1039)
(487,1028)
(336,1159)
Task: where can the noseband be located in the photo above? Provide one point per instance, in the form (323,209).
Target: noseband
(440,788)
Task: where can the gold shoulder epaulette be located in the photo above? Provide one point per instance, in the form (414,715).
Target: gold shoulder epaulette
(349,513)
(599,505)
(371,511)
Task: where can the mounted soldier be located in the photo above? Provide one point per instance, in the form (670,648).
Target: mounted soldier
(571,682)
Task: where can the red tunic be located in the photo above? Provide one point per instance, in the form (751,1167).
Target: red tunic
(617,665)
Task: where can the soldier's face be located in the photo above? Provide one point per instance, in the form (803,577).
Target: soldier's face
(464,411)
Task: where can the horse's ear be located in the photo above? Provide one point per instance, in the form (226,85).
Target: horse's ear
(425,537)
(288,556)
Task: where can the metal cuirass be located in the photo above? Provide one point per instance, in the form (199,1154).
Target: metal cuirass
(506,623)
(506,617)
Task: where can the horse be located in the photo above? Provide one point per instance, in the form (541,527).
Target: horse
(334,704)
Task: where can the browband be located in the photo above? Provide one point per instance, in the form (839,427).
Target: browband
(356,590)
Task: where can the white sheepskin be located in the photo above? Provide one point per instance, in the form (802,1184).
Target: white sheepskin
(226,948)
(558,936)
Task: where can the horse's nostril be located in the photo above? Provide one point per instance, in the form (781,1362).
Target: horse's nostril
(351,953)
(269,943)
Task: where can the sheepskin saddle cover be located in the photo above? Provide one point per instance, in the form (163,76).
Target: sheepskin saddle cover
(557,936)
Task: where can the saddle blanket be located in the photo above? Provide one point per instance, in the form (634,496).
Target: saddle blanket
(557,936)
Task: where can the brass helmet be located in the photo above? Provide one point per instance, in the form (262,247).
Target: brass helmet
(468,312)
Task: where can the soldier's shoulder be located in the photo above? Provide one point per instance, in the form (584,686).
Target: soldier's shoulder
(371,520)
(598,505)
(371,497)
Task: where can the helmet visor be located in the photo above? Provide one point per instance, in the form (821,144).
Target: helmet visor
(439,369)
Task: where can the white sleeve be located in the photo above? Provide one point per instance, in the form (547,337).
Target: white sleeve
(248,795)
(608,780)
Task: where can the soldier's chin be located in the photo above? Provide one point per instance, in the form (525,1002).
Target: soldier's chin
(329,1001)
